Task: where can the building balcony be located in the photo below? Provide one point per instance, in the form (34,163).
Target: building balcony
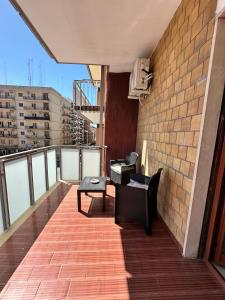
(41,108)
(37,137)
(7,107)
(8,126)
(37,127)
(8,136)
(75,255)
(37,118)
(7,97)
(39,98)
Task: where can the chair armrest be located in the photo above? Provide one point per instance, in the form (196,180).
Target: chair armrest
(116,161)
(128,168)
(140,178)
(131,191)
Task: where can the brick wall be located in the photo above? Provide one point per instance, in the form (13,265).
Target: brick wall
(169,120)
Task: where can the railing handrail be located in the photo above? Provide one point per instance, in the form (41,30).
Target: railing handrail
(42,149)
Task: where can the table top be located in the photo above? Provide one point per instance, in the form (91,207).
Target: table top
(86,184)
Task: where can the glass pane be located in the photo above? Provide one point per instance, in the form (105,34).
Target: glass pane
(51,154)
(90,162)
(17,182)
(70,164)
(1,220)
(38,167)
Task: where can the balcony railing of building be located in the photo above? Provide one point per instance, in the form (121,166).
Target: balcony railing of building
(38,137)
(36,108)
(37,127)
(8,126)
(7,97)
(7,117)
(8,135)
(35,98)
(37,117)
(28,175)
(7,106)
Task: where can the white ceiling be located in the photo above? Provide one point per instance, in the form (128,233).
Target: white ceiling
(106,32)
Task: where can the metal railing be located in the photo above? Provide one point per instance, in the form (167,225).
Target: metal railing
(26,176)
(36,108)
(36,118)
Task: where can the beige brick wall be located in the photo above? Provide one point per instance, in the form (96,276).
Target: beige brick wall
(169,120)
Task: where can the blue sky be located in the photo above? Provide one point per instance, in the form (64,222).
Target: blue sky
(20,48)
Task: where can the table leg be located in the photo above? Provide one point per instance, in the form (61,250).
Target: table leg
(103,206)
(79,200)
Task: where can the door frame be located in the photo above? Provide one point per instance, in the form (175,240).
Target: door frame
(214,191)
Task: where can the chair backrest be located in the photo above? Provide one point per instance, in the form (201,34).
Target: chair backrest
(154,182)
(132,158)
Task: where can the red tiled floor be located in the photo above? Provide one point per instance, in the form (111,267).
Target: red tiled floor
(17,246)
(80,256)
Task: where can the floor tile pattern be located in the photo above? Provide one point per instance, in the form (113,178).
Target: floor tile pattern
(16,247)
(86,256)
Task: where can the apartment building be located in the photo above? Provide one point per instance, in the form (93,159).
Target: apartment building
(32,117)
(81,131)
(66,120)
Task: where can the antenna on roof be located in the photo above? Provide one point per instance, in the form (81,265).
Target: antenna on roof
(29,71)
(40,74)
(5,73)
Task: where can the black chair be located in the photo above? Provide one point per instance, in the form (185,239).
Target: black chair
(138,199)
(120,169)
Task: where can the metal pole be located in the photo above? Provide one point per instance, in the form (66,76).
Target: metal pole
(46,170)
(4,197)
(30,176)
(102,89)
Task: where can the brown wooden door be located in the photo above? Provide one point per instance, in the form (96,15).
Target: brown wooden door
(219,244)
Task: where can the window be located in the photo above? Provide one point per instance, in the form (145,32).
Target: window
(23,142)
(21,123)
(20,104)
(33,96)
(21,114)
(7,94)
(20,94)
(45,96)
(22,132)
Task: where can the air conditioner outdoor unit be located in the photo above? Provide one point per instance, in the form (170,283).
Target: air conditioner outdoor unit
(140,79)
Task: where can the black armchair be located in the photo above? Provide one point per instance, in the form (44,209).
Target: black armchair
(138,199)
(120,169)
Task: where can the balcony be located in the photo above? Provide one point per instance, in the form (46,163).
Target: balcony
(39,98)
(8,97)
(37,137)
(12,117)
(37,128)
(36,108)
(76,255)
(9,136)
(8,126)
(36,118)
(7,107)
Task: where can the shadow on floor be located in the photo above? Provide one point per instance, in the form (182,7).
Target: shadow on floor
(16,247)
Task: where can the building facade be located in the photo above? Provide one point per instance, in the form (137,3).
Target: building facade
(81,131)
(32,117)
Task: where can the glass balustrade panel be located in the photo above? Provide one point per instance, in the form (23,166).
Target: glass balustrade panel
(70,164)
(90,162)
(51,155)
(38,168)
(17,183)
